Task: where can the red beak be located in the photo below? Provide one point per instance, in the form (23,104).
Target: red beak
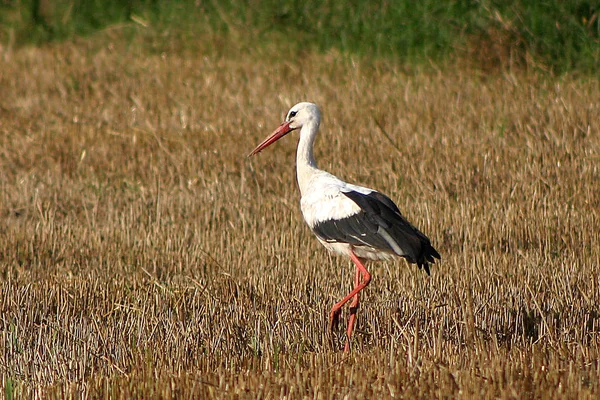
(280,132)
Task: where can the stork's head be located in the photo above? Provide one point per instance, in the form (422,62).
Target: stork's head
(298,116)
(301,114)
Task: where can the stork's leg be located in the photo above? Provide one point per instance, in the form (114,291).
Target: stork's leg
(353,310)
(335,311)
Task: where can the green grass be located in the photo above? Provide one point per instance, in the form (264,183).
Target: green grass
(555,35)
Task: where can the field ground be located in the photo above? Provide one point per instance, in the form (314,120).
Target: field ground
(143,255)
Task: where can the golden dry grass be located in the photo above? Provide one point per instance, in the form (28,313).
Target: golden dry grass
(142,255)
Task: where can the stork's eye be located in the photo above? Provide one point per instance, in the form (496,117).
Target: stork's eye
(292,114)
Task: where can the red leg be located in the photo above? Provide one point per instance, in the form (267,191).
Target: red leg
(335,311)
(353,310)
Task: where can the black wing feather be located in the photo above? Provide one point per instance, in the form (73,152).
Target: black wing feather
(379,213)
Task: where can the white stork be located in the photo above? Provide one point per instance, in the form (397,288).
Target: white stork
(351,220)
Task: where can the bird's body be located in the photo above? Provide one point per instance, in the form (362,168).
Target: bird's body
(350,220)
(337,220)
(347,217)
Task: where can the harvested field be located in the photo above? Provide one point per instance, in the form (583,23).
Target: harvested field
(143,255)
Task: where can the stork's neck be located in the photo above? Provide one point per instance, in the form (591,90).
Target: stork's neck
(306,165)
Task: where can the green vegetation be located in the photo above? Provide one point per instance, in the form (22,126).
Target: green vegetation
(558,35)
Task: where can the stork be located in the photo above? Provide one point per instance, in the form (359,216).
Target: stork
(350,220)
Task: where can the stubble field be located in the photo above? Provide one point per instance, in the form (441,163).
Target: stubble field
(143,255)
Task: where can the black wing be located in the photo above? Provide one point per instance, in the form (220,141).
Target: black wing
(380,225)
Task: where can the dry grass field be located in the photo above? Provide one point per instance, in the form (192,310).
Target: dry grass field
(143,255)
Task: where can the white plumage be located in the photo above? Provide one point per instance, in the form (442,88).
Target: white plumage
(324,200)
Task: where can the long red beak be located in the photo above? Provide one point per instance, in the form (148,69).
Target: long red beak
(280,132)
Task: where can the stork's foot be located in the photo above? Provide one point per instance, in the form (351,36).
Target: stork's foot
(347,346)
(351,323)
